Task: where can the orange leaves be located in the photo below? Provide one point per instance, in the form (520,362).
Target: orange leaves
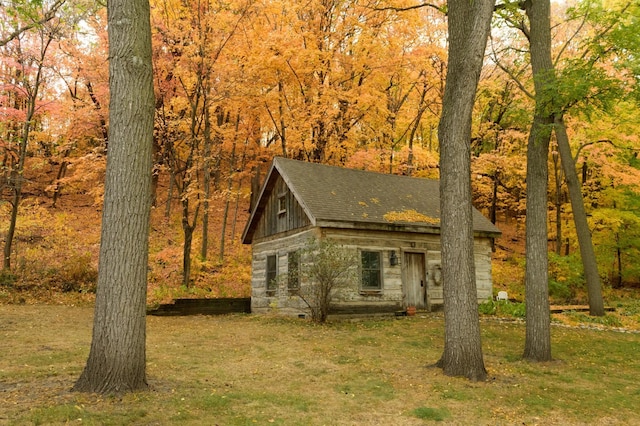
(410,216)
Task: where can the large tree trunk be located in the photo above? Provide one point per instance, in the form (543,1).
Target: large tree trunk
(538,334)
(589,263)
(469,25)
(116,360)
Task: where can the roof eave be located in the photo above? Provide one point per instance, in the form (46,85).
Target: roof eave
(395,227)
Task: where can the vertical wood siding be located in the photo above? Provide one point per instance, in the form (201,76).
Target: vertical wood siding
(273,222)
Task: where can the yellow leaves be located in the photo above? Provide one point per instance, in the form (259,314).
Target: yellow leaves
(410,216)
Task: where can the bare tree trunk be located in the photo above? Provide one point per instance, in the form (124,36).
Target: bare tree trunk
(17,174)
(187,230)
(62,171)
(167,210)
(98,108)
(206,181)
(617,283)
(468,30)
(558,204)
(538,333)
(589,262)
(117,359)
(225,215)
(493,213)
(237,206)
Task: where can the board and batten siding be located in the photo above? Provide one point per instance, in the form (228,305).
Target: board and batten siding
(274,219)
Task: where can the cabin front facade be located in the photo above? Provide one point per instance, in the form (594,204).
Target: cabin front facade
(391,223)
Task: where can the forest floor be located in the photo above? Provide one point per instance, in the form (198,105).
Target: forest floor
(247,369)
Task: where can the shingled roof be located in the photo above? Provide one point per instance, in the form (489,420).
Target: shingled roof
(340,197)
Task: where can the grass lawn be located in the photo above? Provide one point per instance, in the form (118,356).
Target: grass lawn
(252,370)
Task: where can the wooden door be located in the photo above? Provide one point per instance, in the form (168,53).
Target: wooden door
(415,284)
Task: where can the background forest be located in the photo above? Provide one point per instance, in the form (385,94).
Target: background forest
(352,83)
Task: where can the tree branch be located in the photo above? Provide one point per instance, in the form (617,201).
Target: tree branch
(48,15)
(442,9)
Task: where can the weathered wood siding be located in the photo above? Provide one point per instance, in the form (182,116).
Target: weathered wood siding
(282,301)
(273,221)
(352,299)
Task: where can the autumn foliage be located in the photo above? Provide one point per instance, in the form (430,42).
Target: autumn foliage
(357,84)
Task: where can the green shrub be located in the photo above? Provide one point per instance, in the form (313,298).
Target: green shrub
(560,291)
(565,276)
(502,308)
(7,279)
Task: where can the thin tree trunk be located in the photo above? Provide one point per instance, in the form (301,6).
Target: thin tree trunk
(469,25)
(618,281)
(61,173)
(98,108)
(167,210)
(17,174)
(236,210)
(538,332)
(225,215)
(422,107)
(186,253)
(493,214)
(558,205)
(117,359)
(589,262)
(187,229)
(206,182)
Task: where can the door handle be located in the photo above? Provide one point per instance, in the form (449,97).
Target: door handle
(421,283)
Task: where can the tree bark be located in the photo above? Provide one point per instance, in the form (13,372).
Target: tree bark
(117,357)
(589,262)
(538,333)
(558,204)
(469,25)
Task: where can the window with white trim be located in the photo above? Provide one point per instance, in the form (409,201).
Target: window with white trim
(371,270)
(282,204)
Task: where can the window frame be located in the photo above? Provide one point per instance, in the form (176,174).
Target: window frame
(368,271)
(293,276)
(271,274)
(282,204)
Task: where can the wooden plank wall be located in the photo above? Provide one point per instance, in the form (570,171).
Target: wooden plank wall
(272,222)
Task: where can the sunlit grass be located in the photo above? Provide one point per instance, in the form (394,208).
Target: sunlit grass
(247,369)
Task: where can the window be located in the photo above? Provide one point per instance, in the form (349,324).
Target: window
(371,270)
(282,204)
(272,272)
(293,270)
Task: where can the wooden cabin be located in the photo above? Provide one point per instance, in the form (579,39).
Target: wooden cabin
(390,222)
